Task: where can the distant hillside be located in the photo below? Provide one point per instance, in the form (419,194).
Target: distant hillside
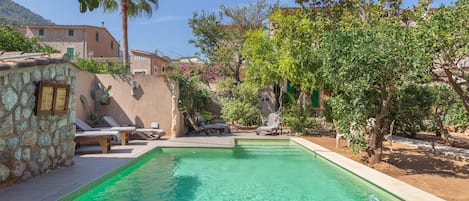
(14,14)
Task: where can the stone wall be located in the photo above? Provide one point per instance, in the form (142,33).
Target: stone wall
(31,145)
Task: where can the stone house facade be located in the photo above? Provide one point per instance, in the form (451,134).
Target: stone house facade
(81,41)
(32,144)
(146,63)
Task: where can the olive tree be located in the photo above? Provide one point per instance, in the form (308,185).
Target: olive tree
(378,58)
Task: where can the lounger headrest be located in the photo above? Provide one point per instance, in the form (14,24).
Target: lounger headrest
(111,121)
(82,125)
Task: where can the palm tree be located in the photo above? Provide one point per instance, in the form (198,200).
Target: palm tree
(129,8)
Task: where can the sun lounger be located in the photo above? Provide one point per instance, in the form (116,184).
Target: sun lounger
(201,127)
(146,133)
(102,137)
(124,131)
(272,126)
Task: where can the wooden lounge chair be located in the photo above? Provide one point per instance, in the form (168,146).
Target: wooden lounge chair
(272,126)
(124,132)
(102,137)
(145,133)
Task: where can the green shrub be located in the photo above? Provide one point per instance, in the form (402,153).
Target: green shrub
(93,66)
(13,40)
(410,107)
(237,111)
(225,87)
(242,106)
(299,122)
(193,95)
(298,119)
(458,117)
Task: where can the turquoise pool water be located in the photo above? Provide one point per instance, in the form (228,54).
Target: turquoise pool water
(253,170)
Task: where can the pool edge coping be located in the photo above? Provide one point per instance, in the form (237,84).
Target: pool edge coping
(390,184)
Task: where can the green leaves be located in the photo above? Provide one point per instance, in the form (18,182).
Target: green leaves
(93,66)
(134,7)
(221,43)
(13,40)
(86,5)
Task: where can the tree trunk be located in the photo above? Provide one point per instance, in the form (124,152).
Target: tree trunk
(299,102)
(173,86)
(237,69)
(124,7)
(174,107)
(376,139)
(440,130)
(459,90)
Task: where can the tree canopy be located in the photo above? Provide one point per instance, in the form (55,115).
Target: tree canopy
(445,34)
(13,40)
(220,35)
(363,52)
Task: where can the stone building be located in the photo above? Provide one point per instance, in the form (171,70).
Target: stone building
(81,41)
(32,144)
(146,63)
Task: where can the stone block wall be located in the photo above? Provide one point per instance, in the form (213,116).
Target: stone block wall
(31,145)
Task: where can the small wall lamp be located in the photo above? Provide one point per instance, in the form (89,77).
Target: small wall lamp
(133,87)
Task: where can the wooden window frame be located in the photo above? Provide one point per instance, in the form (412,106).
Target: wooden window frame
(52,99)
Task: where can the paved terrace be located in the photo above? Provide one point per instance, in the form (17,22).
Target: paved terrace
(442,149)
(90,164)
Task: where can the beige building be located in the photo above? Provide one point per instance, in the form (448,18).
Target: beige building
(146,63)
(81,41)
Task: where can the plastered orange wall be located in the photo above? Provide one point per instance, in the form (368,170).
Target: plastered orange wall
(151,100)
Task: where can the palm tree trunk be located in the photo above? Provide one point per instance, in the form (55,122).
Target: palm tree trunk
(124,10)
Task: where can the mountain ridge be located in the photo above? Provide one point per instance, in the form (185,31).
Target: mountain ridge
(12,13)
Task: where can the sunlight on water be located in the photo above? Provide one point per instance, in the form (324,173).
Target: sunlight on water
(280,170)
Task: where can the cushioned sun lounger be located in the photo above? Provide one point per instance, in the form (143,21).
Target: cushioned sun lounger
(102,137)
(145,133)
(124,131)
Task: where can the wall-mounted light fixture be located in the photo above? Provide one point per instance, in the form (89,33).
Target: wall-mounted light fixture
(133,87)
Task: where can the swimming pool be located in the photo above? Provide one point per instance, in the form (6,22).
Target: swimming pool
(253,170)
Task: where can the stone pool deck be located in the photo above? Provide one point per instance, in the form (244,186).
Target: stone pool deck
(90,164)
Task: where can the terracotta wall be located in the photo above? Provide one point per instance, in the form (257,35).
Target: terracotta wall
(102,47)
(83,40)
(140,63)
(151,102)
(84,82)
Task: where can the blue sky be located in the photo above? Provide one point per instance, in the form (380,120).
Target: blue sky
(167,30)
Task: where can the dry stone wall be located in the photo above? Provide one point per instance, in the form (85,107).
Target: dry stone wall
(31,145)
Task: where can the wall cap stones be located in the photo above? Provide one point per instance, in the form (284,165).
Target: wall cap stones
(16,60)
